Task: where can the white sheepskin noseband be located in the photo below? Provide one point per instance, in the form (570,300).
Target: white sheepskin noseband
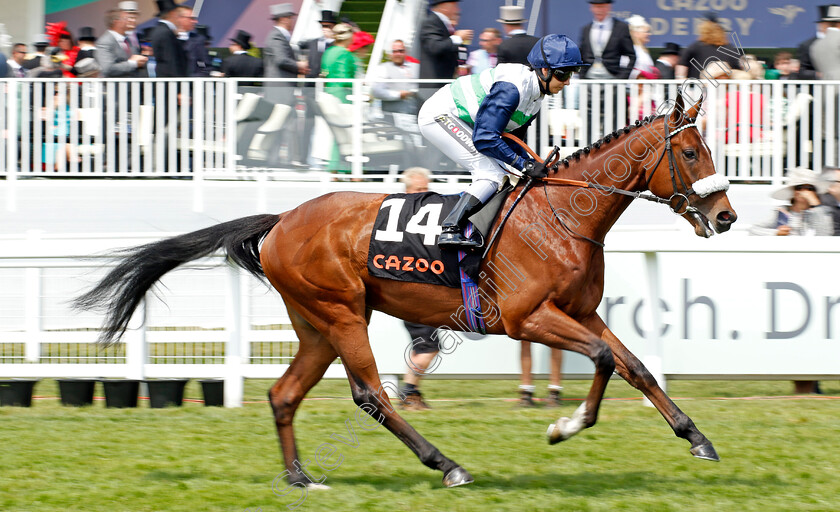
(710,185)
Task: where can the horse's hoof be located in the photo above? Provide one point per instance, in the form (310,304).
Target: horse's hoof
(456,477)
(315,486)
(555,431)
(705,451)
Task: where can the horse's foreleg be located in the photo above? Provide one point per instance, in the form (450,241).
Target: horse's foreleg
(314,356)
(633,371)
(353,347)
(550,326)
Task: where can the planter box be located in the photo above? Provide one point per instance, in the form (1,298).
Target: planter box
(164,392)
(17,392)
(76,392)
(214,392)
(120,393)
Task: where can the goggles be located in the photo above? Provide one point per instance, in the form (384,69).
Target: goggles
(563,74)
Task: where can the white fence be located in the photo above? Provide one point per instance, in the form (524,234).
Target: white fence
(280,129)
(731,307)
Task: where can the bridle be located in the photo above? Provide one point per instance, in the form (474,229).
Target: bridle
(679,202)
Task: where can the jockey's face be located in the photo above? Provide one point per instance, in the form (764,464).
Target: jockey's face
(555,85)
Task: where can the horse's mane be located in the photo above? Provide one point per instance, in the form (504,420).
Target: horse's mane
(606,139)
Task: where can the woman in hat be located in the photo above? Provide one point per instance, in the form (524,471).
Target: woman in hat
(804,215)
(466,119)
(711,43)
(338,62)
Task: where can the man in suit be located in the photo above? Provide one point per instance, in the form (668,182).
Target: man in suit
(315,48)
(113,52)
(825,52)
(240,64)
(516,47)
(169,51)
(440,43)
(34,60)
(195,44)
(606,45)
(279,58)
(15,63)
(806,65)
(667,60)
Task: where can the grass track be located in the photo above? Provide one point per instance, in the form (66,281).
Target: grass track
(779,454)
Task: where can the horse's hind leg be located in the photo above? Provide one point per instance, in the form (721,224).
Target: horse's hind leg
(351,341)
(314,356)
(633,371)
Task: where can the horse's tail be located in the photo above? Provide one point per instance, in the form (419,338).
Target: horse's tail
(123,288)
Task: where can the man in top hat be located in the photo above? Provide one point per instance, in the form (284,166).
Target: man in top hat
(516,47)
(606,45)
(440,43)
(132,11)
(195,45)
(33,60)
(806,67)
(169,52)
(114,53)
(315,48)
(278,57)
(240,64)
(667,61)
(87,44)
(825,52)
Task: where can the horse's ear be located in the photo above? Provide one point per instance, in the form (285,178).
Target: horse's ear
(694,111)
(678,113)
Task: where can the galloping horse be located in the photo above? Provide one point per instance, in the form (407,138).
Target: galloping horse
(316,257)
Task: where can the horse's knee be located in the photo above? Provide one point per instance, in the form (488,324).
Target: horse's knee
(603,358)
(640,377)
(282,406)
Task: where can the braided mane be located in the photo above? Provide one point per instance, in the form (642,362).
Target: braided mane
(606,139)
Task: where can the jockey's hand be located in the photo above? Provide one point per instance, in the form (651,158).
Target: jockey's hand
(535,169)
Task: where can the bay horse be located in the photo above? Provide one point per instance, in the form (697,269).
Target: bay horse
(316,255)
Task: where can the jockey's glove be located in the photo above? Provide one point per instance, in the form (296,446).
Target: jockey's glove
(535,169)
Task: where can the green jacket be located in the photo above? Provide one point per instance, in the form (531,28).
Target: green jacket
(338,62)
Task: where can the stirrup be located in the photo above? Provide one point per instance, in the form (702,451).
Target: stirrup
(456,240)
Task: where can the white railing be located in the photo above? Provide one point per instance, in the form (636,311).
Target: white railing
(229,129)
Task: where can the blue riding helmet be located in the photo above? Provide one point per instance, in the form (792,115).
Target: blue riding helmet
(555,51)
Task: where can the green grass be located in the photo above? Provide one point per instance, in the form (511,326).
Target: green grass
(779,454)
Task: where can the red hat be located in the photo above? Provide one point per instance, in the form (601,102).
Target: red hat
(360,39)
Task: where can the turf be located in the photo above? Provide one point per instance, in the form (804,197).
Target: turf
(777,453)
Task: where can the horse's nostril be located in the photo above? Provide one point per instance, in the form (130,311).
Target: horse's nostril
(725,217)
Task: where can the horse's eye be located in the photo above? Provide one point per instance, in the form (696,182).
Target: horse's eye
(689,154)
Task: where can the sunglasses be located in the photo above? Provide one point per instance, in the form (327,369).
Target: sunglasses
(564,74)
(805,187)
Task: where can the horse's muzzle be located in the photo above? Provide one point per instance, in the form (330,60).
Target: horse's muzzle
(724,221)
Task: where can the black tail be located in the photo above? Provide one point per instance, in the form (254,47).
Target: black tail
(121,291)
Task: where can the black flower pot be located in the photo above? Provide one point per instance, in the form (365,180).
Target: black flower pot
(76,392)
(164,392)
(17,392)
(121,393)
(214,392)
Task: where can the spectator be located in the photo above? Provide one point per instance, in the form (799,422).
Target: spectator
(315,48)
(132,10)
(113,51)
(339,62)
(526,386)
(440,43)
(399,97)
(831,198)
(34,60)
(640,34)
(170,58)
(278,55)
(605,44)
(479,111)
(62,40)
(424,347)
(784,67)
(518,43)
(667,61)
(5,70)
(15,63)
(87,68)
(87,44)
(695,58)
(729,110)
(825,52)
(147,51)
(803,52)
(240,64)
(805,215)
(50,66)
(195,44)
(487,56)
(360,47)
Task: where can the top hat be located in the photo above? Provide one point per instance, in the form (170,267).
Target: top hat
(823,12)
(671,49)
(164,6)
(281,11)
(600,1)
(832,14)
(128,6)
(203,31)
(86,34)
(328,17)
(41,41)
(511,15)
(433,3)
(243,39)
(799,176)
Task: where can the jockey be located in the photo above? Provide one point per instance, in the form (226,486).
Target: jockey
(466,118)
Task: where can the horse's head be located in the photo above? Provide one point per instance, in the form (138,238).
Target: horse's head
(685,173)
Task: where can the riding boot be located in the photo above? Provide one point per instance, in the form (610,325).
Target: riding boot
(554,393)
(451,236)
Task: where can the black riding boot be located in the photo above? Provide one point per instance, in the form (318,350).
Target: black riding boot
(452,225)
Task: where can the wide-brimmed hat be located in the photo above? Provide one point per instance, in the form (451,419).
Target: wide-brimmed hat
(281,11)
(511,15)
(329,17)
(796,177)
(128,6)
(243,39)
(86,34)
(360,40)
(671,49)
(164,6)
